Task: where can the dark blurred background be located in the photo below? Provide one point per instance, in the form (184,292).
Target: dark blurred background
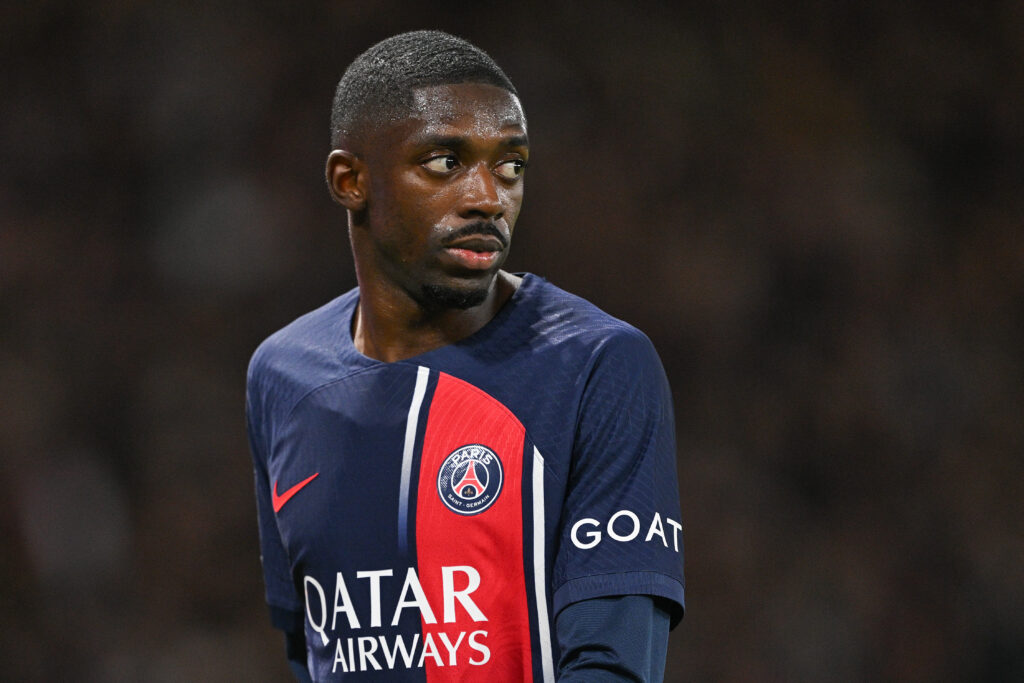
(814,212)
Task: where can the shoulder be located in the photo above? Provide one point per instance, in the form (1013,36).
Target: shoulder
(567,319)
(614,364)
(306,349)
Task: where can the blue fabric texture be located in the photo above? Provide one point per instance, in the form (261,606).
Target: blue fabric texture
(622,638)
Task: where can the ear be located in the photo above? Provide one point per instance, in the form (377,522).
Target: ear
(347,179)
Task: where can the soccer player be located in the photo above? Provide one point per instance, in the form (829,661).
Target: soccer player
(461,473)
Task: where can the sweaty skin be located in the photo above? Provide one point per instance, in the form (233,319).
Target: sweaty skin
(433,200)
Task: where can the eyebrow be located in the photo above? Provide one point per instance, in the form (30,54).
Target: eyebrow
(459,141)
(516,141)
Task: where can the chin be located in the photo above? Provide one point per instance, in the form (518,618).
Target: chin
(442,297)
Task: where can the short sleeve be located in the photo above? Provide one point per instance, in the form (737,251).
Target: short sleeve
(280,591)
(621,532)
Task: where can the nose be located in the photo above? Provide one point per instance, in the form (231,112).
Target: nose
(481,196)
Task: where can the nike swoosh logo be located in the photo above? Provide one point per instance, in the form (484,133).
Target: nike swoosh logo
(280,500)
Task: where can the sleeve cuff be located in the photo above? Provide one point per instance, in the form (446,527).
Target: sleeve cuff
(623,583)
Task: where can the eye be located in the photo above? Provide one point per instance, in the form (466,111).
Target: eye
(441,164)
(511,169)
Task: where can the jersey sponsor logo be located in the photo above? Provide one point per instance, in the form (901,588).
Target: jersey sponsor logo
(280,500)
(624,527)
(469,480)
(374,641)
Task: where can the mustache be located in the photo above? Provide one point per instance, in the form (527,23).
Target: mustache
(478,228)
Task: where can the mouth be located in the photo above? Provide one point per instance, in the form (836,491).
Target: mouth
(480,244)
(474,254)
(476,247)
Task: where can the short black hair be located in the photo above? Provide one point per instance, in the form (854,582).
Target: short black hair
(377,87)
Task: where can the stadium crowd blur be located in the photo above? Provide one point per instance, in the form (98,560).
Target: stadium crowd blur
(815,214)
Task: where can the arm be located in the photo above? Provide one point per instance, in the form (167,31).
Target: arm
(621,532)
(276,571)
(294,641)
(272,556)
(619,638)
(618,582)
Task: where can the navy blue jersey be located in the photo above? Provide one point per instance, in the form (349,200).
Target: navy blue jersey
(429,518)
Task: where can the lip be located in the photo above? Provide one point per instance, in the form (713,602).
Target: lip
(471,259)
(477,243)
(474,252)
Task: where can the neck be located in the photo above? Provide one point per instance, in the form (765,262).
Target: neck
(390,326)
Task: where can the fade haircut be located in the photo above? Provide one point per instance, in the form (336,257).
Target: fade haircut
(378,86)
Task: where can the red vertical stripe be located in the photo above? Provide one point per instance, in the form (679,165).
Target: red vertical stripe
(491,542)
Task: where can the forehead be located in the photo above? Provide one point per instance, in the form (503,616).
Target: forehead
(477,106)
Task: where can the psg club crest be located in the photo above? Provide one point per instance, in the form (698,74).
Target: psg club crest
(469,480)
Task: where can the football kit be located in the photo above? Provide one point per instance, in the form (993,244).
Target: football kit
(427,519)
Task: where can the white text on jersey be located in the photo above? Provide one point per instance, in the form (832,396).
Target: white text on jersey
(625,531)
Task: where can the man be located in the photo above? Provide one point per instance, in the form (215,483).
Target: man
(461,473)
